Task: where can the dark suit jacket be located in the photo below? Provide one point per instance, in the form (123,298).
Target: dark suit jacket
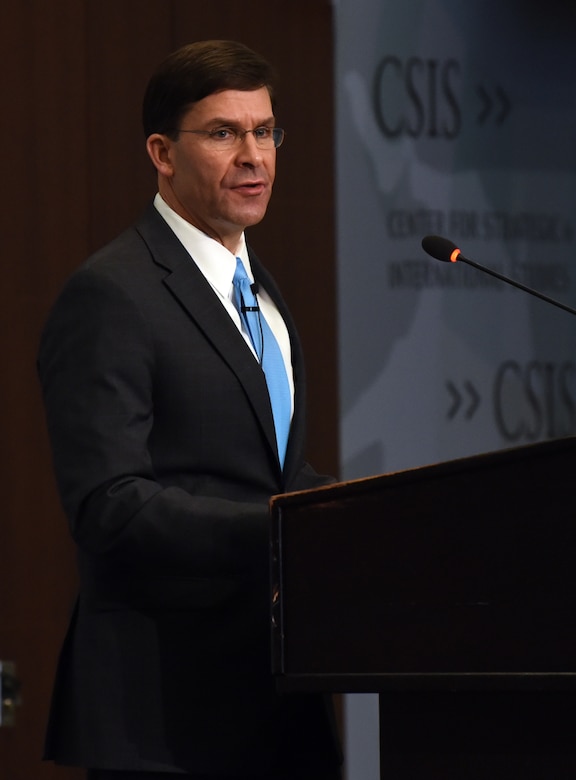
(164,452)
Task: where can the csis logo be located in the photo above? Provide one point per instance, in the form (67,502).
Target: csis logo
(417,97)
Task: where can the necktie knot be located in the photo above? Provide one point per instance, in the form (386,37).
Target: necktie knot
(241,279)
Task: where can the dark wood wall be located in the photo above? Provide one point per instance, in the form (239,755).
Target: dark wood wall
(75,173)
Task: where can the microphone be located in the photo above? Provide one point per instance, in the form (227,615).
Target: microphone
(243,308)
(445,250)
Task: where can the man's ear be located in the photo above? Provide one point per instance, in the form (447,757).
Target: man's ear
(158,147)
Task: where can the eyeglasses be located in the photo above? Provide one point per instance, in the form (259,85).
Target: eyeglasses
(230,137)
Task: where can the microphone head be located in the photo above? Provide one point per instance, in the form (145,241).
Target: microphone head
(440,248)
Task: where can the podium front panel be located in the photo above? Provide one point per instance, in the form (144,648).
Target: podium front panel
(455,575)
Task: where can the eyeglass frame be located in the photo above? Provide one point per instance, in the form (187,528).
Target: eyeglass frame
(276,133)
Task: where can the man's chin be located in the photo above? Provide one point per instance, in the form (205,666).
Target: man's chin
(249,217)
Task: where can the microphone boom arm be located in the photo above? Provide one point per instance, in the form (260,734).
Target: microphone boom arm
(517,284)
(445,250)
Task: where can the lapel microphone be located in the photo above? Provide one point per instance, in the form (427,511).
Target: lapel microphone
(243,308)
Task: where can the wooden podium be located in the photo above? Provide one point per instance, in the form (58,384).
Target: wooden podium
(451,591)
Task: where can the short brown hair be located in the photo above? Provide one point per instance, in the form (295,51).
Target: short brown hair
(195,71)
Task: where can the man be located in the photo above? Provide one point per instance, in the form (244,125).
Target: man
(167,450)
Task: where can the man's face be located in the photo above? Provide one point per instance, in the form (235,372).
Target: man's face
(220,191)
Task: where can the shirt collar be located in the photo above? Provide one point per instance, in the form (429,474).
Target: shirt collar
(216,262)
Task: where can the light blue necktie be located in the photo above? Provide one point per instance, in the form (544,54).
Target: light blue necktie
(268,353)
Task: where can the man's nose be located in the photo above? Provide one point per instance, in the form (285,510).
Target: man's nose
(249,152)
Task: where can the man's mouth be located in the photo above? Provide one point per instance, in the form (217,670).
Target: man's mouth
(250,187)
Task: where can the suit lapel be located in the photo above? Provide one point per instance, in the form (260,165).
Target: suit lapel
(190,288)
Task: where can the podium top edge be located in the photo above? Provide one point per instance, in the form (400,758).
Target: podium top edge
(492,458)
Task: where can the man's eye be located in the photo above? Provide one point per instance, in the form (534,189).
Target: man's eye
(223,134)
(263,132)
